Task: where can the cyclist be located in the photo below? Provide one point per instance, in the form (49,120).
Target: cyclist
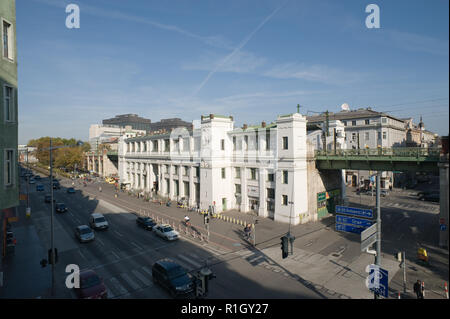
(186,220)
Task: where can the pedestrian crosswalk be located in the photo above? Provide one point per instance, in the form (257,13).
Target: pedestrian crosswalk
(413,206)
(139,278)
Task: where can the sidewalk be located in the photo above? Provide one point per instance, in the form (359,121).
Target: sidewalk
(23,277)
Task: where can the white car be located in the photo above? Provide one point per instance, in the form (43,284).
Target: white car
(166,231)
(98,221)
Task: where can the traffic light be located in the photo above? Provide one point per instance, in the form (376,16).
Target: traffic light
(284,246)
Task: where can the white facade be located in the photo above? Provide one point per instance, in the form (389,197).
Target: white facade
(99,133)
(251,168)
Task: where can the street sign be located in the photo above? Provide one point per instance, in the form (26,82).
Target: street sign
(378,281)
(443,227)
(349,228)
(360,212)
(369,232)
(369,241)
(441,221)
(353,221)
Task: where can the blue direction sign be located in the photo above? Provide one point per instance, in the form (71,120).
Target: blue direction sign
(378,281)
(360,212)
(349,228)
(353,221)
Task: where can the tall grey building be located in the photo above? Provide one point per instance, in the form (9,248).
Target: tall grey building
(133,120)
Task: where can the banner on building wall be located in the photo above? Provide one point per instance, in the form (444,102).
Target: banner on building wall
(253,191)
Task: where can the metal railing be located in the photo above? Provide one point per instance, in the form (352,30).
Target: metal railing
(403,152)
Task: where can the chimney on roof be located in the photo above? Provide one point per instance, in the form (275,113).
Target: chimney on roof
(263,124)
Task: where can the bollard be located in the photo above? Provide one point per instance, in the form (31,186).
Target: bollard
(446,290)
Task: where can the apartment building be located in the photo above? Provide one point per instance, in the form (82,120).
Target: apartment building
(9,175)
(261,169)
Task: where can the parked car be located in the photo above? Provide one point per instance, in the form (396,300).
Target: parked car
(166,231)
(145,222)
(98,221)
(56,185)
(39,187)
(71,190)
(84,233)
(172,277)
(32,181)
(37,177)
(60,207)
(91,286)
(48,198)
(431,197)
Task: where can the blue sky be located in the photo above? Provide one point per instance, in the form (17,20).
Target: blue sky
(253,60)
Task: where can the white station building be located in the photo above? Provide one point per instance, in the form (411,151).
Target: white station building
(268,169)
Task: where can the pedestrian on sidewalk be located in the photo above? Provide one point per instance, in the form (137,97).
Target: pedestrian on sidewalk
(418,289)
(100,189)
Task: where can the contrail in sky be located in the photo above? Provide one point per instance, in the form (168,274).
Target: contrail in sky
(237,49)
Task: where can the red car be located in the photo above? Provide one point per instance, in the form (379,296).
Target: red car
(91,286)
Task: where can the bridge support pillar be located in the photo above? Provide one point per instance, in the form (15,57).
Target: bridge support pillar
(443,215)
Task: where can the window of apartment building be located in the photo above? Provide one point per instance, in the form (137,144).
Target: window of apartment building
(155,146)
(246,142)
(186,170)
(267,139)
(238,172)
(234,143)
(384,135)
(237,188)
(379,135)
(176,145)
(285,142)
(128,147)
(285,177)
(166,145)
(345,123)
(222,145)
(223,173)
(8,103)
(132,147)
(7,37)
(353,136)
(175,170)
(256,141)
(366,136)
(9,168)
(144,147)
(252,173)
(186,145)
(367,122)
(197,171)
(284,200)
(270,177)
(383,120)
(271,193)
(353,123)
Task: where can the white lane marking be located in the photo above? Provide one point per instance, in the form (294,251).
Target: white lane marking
(118,233)
(136,245)
(147,270)
(141,277)
(100,241)
(81,254)
(118,286)
(187,259)
(130,281)
(110,293)
(114,253)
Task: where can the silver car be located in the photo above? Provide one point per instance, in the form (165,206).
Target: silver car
(84,233)
(166,231)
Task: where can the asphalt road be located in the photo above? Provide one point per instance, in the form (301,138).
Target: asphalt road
(124,254)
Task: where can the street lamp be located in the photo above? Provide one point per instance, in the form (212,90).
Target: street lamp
(52,254)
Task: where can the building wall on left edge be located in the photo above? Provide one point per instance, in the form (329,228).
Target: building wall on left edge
(9,195)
